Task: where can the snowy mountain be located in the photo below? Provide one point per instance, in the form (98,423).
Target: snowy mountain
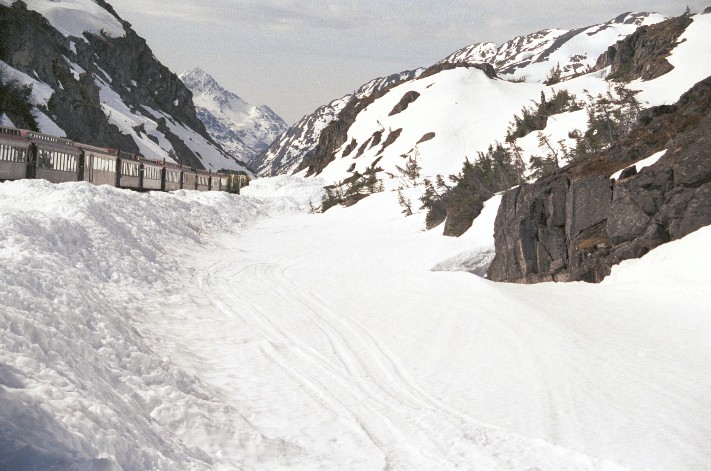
(287,152)
(533,56)
(96,81)
(455,110)
(242,129)
(530,58)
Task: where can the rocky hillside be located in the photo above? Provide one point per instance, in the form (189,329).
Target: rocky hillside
(579,223)
(96,81)
(242,129)
(286,154)
(652,187)
(532,57)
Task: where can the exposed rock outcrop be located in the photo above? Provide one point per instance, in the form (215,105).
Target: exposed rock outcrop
(404,102)
(643,54)
(577,224)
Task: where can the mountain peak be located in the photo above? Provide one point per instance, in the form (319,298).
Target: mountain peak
(197,79)
(243,129)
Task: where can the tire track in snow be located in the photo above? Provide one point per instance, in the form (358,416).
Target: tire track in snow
(362,363)
(355,386)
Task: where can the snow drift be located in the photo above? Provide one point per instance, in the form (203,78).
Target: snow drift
(210,331)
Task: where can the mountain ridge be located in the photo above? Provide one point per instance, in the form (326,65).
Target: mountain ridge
(529,57)
(244,130)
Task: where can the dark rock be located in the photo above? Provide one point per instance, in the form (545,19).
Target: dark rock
(606,222)
(642,55)
(628,172)
(459,220)
(427,137)
(376,138)
(488,69)
(392,137)
(350,148)
(404,102)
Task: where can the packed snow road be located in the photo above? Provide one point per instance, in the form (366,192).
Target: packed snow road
(310,373)
(332,334)
(215,332)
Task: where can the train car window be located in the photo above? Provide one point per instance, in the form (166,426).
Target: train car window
(152,173)
(7,153)
(10,153)
(129,169)
(44,160)
(91,163)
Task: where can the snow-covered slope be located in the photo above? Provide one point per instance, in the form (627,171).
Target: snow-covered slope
(211,331)
(289,150)
(533,56)
(463,107)
(73,18)
(530,58)
(243,130)
(462,111)
(105,85)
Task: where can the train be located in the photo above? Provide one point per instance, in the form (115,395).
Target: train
(31,154)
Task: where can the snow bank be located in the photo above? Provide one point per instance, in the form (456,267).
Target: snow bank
(481,238)
(286,193)
(173,331)
(80,387)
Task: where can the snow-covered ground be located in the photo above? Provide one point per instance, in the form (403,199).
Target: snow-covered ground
(212,331)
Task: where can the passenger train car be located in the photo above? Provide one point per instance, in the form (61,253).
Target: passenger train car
(29,154)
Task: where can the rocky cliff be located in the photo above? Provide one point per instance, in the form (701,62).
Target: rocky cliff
(578,223)
(101,83)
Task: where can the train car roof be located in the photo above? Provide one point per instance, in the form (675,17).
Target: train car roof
(109,151)
(51,142)
(13,136)
(154,163)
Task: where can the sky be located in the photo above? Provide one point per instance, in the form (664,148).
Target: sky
(295,56)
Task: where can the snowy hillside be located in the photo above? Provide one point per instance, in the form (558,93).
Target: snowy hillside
(95,81)
(289,150)
(532,57)
(210,331)
(457,113)
(483,108)
(242,129)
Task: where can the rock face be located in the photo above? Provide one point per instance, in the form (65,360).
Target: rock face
(531,57)
(642,55)
(104,85)
(577,224)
